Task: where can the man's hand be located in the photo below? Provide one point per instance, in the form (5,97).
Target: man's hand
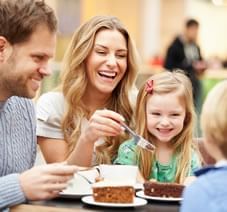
(46,181)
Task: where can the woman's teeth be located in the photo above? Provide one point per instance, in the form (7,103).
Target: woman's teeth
(111,75)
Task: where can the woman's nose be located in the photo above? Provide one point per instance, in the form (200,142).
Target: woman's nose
(111,60)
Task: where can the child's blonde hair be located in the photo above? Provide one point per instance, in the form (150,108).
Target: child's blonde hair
(214,117)
(167,82)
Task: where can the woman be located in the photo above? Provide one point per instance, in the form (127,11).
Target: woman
(80,122)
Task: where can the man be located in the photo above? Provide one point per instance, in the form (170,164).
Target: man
(27,42)
(184,53)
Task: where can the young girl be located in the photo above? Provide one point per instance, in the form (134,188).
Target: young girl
(165,117)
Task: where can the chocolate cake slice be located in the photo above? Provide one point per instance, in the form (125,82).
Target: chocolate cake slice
(158,189)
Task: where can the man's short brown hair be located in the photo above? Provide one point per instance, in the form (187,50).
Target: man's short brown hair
(19,18)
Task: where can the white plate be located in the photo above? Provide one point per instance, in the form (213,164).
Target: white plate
(171,199)
(74,195)
(137,202)
(78,186)
(138,186)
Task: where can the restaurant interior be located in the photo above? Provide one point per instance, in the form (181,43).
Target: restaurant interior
(153,24)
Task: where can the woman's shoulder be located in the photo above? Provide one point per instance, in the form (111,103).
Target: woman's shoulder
(51,96)
(50,103)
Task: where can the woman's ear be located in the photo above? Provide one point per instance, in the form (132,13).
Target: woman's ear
(5,49)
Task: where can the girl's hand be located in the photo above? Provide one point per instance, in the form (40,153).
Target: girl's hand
(103,123)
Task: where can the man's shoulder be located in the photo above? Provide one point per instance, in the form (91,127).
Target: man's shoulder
(16,100)
(52,96)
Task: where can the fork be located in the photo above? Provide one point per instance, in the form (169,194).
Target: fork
(140,141)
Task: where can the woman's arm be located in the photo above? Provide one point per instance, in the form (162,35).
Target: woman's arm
(103,123)
(54,150)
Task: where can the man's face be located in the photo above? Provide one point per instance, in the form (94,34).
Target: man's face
(27,65)
(192,33)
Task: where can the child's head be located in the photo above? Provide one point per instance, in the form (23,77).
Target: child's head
(214,121)
(165,113)
(165,109)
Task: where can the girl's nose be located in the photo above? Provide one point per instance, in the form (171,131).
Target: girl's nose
(164,121)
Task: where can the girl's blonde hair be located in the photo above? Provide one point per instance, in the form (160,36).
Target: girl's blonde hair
(213,117)
(167,82)
(74,82)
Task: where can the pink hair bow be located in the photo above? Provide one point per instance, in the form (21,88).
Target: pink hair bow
(149,86)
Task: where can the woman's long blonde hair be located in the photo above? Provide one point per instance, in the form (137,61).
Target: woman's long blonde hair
(167,82)
(74,82)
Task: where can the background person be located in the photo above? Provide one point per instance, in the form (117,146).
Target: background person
(184,53)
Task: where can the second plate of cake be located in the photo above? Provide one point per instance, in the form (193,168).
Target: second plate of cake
(136,203)
(171,199)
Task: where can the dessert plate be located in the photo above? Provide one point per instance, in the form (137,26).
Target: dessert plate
(80,185)
(74,195)
(137,202)
(169,199)
(77,194)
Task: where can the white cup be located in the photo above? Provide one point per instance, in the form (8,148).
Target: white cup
(119,173)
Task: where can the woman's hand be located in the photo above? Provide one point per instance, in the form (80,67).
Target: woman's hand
(103,123)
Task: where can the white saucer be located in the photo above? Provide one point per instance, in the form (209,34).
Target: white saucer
(137,202)
(74,195)
(170,199)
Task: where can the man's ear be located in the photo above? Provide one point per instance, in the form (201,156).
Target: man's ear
(5,49)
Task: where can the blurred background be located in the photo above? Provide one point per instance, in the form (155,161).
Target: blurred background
(153,24)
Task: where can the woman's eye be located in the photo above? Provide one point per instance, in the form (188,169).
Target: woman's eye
(121,56)
(100,52)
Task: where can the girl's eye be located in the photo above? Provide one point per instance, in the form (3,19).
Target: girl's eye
(175,114)
(155,114)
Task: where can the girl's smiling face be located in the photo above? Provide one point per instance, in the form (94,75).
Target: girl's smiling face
(165,116)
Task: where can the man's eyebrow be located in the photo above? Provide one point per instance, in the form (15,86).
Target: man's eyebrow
(41,54)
